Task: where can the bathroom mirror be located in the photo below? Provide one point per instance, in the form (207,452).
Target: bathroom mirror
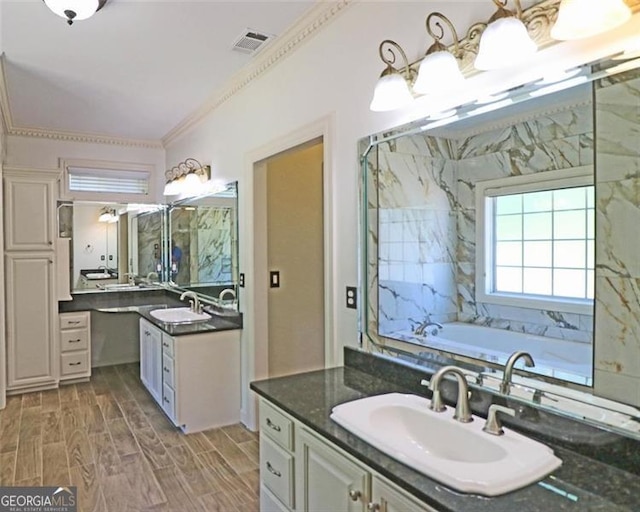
(203,250)
(508,226)
(113,244)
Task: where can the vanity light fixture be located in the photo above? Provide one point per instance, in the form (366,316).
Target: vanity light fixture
(505,40)
(578,19)
(392,89)
(439,70)
(75,10)
(108,214)
(186,178)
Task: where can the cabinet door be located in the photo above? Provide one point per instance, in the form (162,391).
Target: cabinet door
(31,320)
(29,213)
(386,497)
(330,481)
(151,359)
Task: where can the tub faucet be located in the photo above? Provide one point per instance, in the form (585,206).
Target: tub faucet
(227,291)
(463,410)
(505,385)
(422,328)
(196,307)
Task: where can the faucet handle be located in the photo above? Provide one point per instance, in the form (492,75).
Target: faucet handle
(493,425)
(436,404)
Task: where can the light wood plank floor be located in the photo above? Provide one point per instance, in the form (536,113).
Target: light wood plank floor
(110,439)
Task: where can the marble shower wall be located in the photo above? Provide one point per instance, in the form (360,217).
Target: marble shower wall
(181,225)
(424,212)
(215,244)
(149,241)
(617,307)
(548,142)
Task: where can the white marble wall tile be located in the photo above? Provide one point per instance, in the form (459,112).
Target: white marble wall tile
(618,129)
(617,224)
(466,229)
(617,326)
(621,388)
(587,151)
(546,156)
(472,170)
(585,323)
(621,90)
(422,144)
(616,167)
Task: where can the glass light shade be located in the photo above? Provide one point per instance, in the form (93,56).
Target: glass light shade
(391,92)
(83,8)
(578,19)
(192,184)
(438,72)
(504,42)
(172,188)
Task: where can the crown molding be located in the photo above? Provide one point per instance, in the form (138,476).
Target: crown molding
(89,138)
(5,108)
(306,27)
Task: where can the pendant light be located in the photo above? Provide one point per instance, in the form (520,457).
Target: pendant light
(578,19)
(74,10)
(392,90)
(439,70)
(505,41)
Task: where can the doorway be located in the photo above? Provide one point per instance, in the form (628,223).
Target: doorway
(295,259)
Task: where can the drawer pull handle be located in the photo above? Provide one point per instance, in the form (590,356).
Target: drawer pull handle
(166,399)
(354,495)
(272,470)
(74,322)
(273,425)
(75,341)
(165,345)
(166,369)
(147,333)
(76,363)
(373,507)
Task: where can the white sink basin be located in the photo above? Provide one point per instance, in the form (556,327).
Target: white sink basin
(460,455)
(179,316)
(98,275)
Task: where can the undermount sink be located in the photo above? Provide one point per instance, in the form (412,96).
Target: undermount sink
(98,275)
(460,455)
(179,316)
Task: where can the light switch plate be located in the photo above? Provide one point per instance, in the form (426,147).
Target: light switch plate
(274,279)
(352,297)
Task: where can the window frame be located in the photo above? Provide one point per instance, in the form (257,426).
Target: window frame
(537,182)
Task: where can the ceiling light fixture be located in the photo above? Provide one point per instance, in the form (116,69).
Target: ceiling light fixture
(578,19)
(506,40)
(439,70)
(392,89)
(186,178)
(75,10)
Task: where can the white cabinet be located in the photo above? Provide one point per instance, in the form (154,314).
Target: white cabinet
(194,378)
(75,346)
(326,477)
(32,358)
(151,358)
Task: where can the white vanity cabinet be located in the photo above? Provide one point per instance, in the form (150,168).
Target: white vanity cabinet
(75,346)
(195,378)
(326,477)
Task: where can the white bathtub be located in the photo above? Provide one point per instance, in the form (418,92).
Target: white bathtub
(568,360)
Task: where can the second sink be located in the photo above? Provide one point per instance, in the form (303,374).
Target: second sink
(179,316)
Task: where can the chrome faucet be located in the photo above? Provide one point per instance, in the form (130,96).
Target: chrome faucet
(463,411)
(227,291)
(494,425)
(505,385)
(196,307)
(420,330)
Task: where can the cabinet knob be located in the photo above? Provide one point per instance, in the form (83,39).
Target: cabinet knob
(147,333)
(165,399)
(354,495)
(273,470)
(273,425)
(50,242)
(373,507)
(75,341)
(166,369)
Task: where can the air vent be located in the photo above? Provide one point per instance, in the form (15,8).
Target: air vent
(250,41)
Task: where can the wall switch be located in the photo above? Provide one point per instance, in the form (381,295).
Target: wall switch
(102,257)
(241,280)
(352,297)
(274,279)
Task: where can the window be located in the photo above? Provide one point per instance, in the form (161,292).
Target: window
(537,246)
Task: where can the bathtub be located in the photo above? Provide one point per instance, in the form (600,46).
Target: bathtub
(563,359)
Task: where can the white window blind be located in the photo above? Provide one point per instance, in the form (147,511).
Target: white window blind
(118,181)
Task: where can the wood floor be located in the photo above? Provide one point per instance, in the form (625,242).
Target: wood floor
(110,439)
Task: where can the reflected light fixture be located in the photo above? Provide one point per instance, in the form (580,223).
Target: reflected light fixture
(75,10)
(392,89)
(439,70)
(578,19)
(108,214)
(186,178)
(505,40)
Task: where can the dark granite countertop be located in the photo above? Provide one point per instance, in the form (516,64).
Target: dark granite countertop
(142,302)
(580,484)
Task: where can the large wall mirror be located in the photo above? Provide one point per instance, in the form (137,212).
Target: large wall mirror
(114,246)
(204,245)
(512,225)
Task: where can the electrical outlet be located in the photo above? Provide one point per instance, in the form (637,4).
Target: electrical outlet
(274,279)
(241,280)
(352,297)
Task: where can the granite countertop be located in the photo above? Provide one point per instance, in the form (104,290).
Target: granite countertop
(143,302)
(581,484)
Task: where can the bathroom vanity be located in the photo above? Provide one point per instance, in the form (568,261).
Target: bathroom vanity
(309,462)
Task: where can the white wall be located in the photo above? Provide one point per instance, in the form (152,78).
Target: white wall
(333,74)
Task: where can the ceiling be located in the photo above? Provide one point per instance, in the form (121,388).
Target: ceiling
(136,69)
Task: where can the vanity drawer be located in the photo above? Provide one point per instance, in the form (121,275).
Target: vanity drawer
(167,345)
(276,471)
(74,362)
(167,371)
(276,425)
(168,401)
(74,339)
(74,320)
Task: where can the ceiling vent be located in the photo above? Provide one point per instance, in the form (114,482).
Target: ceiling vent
(250,41)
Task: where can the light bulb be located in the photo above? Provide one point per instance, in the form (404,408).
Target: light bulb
(578,19)
(504,42)
(83,9)
(438,72)
(391,92)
